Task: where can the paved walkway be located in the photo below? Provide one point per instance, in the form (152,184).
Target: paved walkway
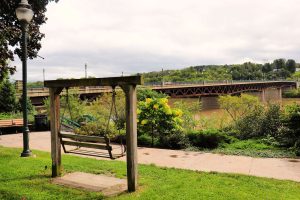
(288,169)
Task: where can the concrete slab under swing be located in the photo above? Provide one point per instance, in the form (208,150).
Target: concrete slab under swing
(109,186)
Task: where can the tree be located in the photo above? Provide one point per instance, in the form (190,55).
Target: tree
(143,94)
(291,65)
(189,111)
(267,67)
(237,107)
(11,32)
(7,97)
(279,64)
(156,118)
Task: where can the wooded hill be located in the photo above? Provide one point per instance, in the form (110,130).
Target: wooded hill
(278,69)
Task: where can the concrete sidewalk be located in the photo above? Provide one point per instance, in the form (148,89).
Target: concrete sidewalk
(278,168)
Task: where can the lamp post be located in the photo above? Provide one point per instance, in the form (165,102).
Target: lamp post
(24,15)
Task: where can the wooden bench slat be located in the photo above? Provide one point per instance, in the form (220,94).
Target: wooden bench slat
(11,123)
(87,145)
(83,138)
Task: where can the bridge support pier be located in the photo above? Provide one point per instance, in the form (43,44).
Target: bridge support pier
(271,95)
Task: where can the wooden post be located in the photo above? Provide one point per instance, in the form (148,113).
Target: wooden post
(55,140)
(131,136)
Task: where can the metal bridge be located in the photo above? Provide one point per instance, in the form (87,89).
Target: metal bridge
(181,90)
(221,88)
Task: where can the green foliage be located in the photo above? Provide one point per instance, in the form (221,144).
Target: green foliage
(30,108)
(292,93)
(11,115)
(296,76)
(208,139)
(10,32)
(289,134)
(246,71)
(237,106)
(143,94)
(71,106)
(146,140)
(7,97)
(291,65)
(249,144)
(278,69)
(158,119)
(176,140)
(100,110)
(271,121)
(189,109)
(250,124)
(254,148)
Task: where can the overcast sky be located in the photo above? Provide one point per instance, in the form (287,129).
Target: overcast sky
(133,36)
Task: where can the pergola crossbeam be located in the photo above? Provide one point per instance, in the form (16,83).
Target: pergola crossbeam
(111,81)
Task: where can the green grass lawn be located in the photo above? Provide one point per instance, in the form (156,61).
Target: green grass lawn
(29,178)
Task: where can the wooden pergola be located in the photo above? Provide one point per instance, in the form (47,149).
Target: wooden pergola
(128,85)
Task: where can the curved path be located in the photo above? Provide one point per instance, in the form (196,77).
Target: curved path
(278,168)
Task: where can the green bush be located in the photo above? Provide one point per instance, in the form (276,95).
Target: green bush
(289,133)
(7,97)
(249,144)
(158,119)
(249,126)
(143,94)
(145,140)
(271,121)
(208,139)
(294,93)
(177,140)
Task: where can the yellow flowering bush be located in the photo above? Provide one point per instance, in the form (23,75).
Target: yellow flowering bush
(157,119)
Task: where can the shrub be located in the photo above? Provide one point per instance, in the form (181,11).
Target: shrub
(208,139)
(249,126)
(177,140)
(271,121)
(158,119)
(7,96)
(146,140)
(293,93)
(143,94)
(189,110)
(289,133)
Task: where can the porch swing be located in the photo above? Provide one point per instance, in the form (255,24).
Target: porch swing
(100,142)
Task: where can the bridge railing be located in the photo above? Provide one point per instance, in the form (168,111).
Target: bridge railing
(160,84)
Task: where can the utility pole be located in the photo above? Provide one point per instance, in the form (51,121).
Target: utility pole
(162,77)
(85,67)
(44,74)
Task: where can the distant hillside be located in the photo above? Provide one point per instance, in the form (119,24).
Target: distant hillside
(278,69)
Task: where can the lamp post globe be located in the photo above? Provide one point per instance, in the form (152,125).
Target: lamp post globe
(24,15)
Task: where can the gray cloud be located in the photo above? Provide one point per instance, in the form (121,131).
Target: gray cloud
(141,35)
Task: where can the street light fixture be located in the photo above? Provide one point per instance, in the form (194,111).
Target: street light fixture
(24,15)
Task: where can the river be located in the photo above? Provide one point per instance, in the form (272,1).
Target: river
(217,118)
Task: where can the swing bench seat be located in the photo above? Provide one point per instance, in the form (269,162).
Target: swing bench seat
(91,142)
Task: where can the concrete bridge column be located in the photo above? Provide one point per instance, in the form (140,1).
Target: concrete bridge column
(279,90)
(273,94)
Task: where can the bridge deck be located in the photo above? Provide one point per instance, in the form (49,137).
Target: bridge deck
(180,90)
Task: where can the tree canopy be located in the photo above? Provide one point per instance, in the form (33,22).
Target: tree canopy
(10,32)
(278,69)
